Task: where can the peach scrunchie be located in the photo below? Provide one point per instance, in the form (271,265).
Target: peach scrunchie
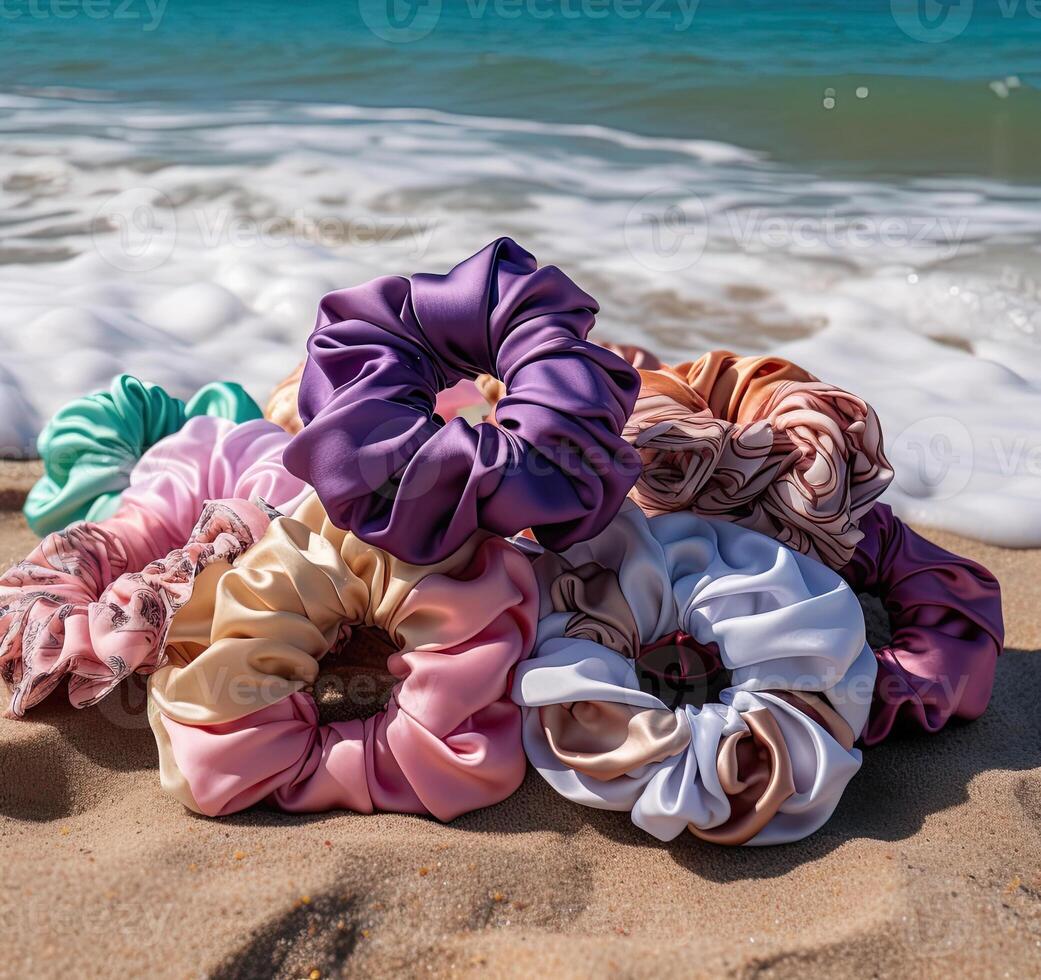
(67,609)
(233,715)
(763,443)
(281,405)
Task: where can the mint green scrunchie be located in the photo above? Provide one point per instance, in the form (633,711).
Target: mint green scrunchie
(91,445)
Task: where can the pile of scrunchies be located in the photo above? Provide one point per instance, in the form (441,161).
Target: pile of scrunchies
(645,579)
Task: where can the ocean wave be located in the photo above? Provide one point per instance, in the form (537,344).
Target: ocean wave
(709,151)
(191,243)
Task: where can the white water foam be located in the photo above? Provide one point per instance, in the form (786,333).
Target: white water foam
(192,245)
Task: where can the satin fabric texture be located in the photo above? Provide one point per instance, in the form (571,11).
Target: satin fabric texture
(766,763)
(763,443)
(233,714)
(90,604)
(401,480)
(473,401)
(92,444)
(492,390)
(946,623)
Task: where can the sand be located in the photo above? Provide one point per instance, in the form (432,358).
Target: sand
(931,865)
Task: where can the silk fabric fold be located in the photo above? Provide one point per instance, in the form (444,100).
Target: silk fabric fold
(281,404)
(389,471)
(763,443)
(946,622)
(233,715)
(767,762)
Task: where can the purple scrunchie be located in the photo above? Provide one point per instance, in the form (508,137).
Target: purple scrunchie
(947,628)
(388,469)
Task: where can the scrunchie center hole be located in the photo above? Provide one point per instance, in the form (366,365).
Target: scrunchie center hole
(678,670)
(877,621)
(354,682)
(472,401)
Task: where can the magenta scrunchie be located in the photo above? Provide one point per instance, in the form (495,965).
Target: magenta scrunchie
(93,602)
(947,628)
(400,478)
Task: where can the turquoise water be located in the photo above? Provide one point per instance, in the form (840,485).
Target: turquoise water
(755,74)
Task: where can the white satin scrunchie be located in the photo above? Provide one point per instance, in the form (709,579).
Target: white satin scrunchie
(764,764)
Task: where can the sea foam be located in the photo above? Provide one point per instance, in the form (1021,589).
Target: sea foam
(189,245)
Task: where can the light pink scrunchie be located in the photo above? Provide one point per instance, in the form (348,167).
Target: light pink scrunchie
(92,602)
(236,723)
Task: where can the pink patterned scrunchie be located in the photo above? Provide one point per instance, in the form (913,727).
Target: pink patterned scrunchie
(92,602)
(63,620)
(763,443)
